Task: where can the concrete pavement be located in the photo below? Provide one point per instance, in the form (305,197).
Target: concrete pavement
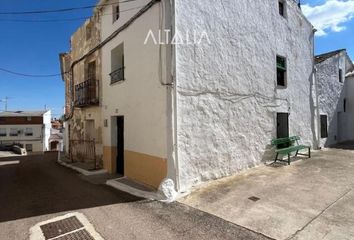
(310,199)
(39,189)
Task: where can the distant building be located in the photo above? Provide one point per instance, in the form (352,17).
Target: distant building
(31,129)
(335,92)
(56,139)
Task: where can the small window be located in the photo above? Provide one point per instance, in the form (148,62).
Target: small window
(340,75)
(282,8)
(29,147)
(13,132)
(281,71)
(29,119)
(3,132)
(88,31)
(344,105)
(324,131)
(29,132)
(116,13)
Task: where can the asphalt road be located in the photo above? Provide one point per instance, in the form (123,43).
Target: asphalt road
(39,189)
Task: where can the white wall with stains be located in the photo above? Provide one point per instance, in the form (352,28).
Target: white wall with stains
(227,95)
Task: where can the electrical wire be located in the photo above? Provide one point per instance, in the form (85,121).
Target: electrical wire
(62,9)
(30,75)
(61,20)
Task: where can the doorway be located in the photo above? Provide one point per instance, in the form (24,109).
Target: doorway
(282,125)
(120,145)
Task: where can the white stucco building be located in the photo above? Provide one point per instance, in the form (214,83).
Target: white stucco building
(200,110)
(28,128)
(335,90)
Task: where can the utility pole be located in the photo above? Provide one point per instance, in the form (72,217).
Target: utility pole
(5,100)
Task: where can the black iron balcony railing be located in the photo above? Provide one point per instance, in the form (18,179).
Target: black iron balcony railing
(86,93)
(117,75)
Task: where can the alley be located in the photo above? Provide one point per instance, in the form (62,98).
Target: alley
(37,189)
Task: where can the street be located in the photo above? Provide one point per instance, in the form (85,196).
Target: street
(38,189)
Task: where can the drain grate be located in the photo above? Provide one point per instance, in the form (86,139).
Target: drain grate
(79,235)
(55,229)
(254,199)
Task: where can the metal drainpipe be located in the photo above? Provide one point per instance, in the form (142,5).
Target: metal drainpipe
(314,70)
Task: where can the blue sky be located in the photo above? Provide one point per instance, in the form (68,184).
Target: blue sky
(33,48)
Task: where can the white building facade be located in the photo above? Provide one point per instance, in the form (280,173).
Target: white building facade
(30,129)
(335,92)
(190,111)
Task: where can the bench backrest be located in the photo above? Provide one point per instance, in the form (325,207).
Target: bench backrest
(284,141)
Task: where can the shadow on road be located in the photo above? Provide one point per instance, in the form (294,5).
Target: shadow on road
(38,186)
(349,145)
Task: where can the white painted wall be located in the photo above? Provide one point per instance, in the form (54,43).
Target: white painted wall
(227,98)
(331,95)
(347,124)
(140,98)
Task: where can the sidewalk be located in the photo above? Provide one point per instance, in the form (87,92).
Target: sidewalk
(310,199)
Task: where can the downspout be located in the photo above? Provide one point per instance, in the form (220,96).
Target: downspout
(174,97)
(317,117)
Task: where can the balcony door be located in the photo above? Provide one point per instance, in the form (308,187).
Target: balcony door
(91,78)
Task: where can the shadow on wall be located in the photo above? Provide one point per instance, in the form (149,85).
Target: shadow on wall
(335,127)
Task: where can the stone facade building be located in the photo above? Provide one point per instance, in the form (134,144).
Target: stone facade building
(83,92)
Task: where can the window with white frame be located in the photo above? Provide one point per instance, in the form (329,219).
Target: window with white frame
(29,132)
(3,132)
(13,132)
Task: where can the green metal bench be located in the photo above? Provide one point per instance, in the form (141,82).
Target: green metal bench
(285,146)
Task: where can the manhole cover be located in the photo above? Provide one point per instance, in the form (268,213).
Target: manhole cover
(79,235)
(61,227)
(254,199)
(71,226)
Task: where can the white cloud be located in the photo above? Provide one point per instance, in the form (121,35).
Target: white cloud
(330,16)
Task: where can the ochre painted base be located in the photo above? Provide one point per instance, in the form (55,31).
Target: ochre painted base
(143,168)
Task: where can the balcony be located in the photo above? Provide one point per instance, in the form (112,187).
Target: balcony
(86,93)
(117,75)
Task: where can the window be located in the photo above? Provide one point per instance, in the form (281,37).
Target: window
(91,71)
(117,64)
(88,31)
(29,119)
(281,71)
(13,132)
(3,132)
(340,75)
(324,133)
(344,105)
(29,132)
(282,8)
(116,13)
(29,147)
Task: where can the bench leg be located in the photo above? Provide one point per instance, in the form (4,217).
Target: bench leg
(309,152)
(296,153)
(288,158)
(276,158)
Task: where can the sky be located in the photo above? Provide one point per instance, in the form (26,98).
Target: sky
(33,47)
